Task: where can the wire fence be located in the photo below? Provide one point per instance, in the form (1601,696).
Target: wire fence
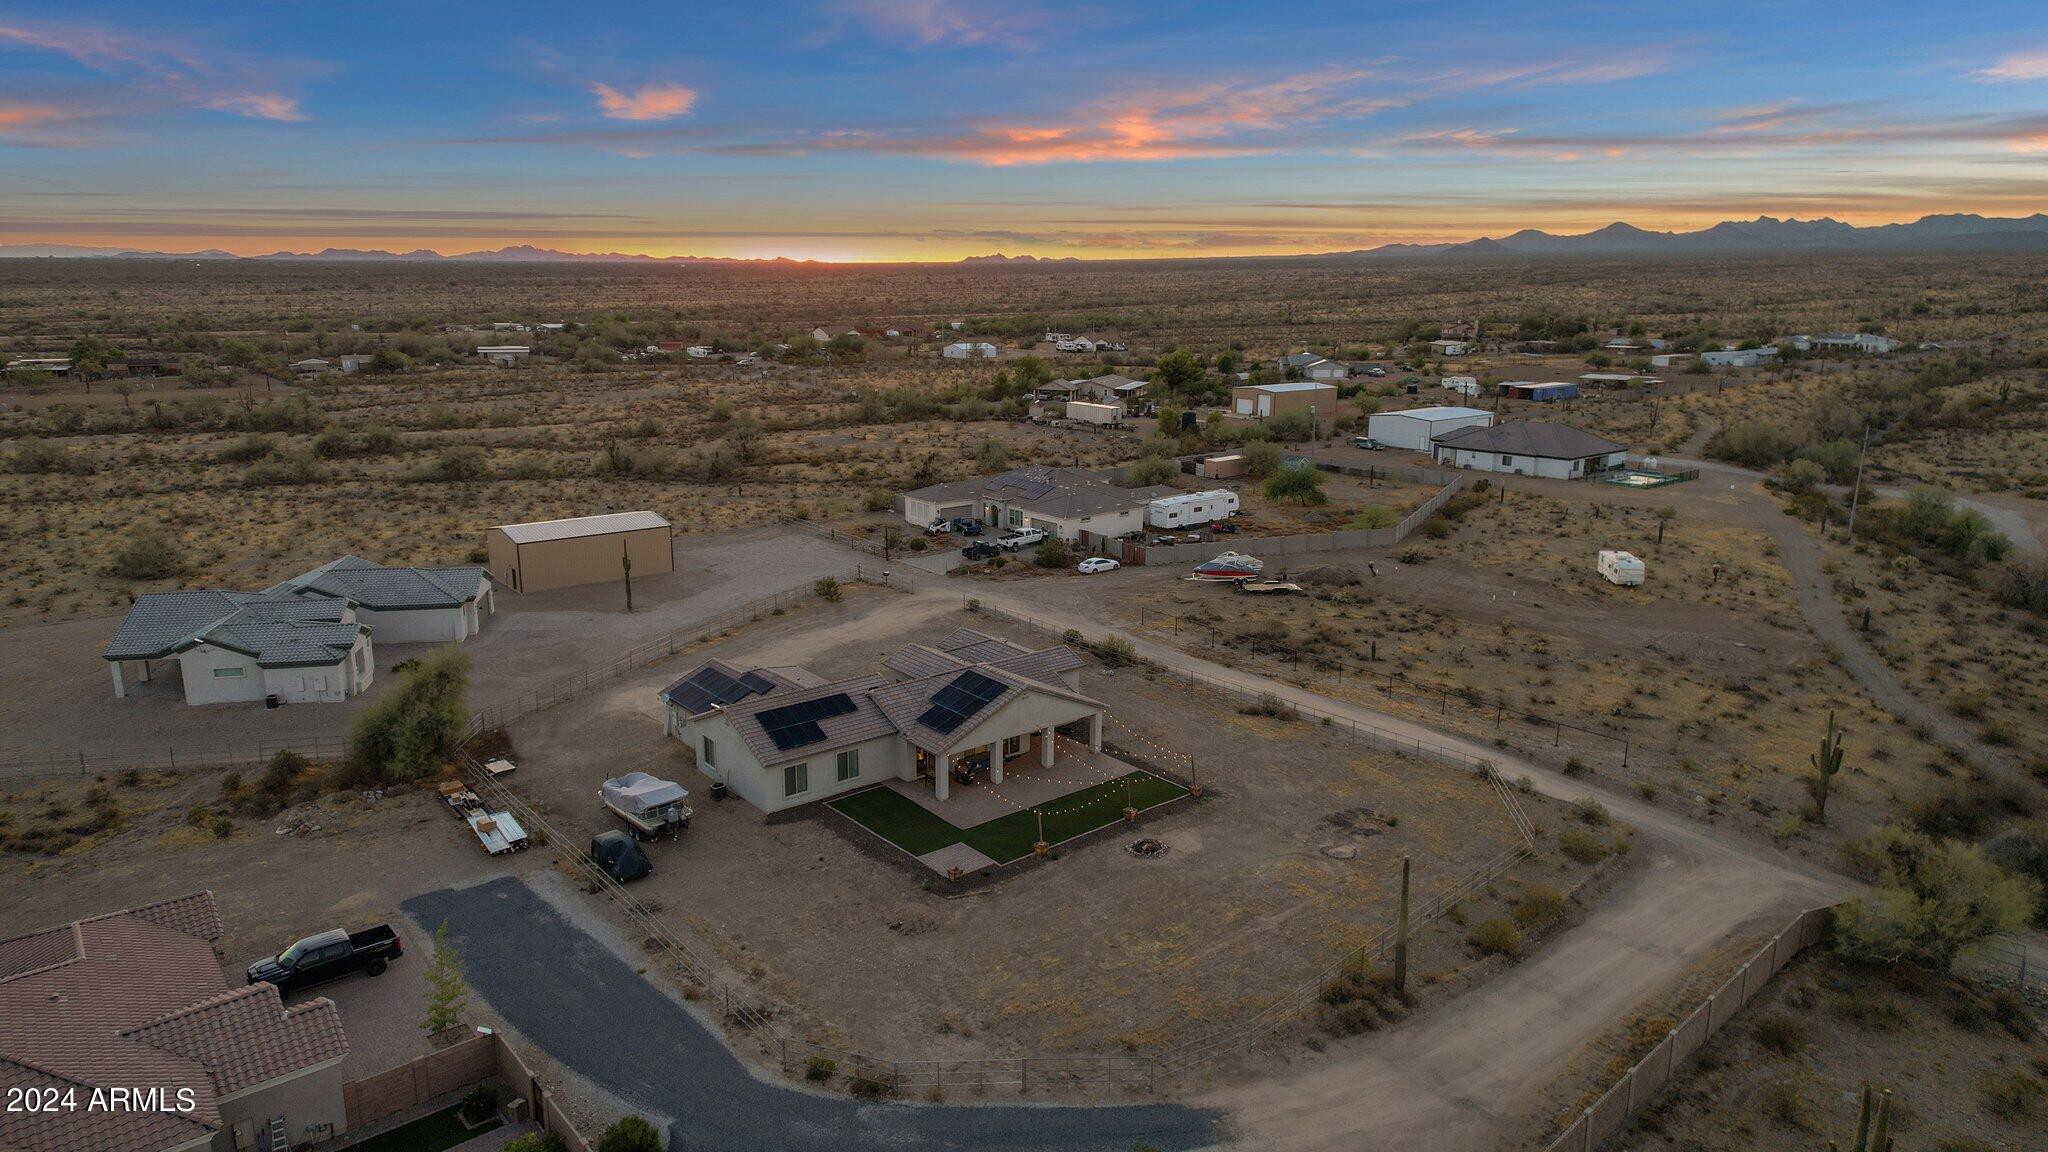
(167,758)
(1396,685)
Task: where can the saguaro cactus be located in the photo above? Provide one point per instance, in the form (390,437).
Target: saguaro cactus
(1873,1124)
(1826,763)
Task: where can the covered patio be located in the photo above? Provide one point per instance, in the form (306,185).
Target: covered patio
(1029,781)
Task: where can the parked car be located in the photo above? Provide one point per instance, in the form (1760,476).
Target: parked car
(980,550)
(1367,443)
(967,527)
(938,527)
(1094,564)
(329,956)
(619,857)
(1021,538)
(1375,372)
(1223,528)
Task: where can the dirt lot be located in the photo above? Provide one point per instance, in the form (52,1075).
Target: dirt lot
(1245,903)
(1788,1073)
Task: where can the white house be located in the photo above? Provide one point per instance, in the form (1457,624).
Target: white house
(697,351)
(1069,503)
(1327,370)
(1737,357)
(310,364)
(1450,347)
(1415,428)
(1859,341)
(306,640)
(965,350)
(354,363)
(949,714)
(1557,451)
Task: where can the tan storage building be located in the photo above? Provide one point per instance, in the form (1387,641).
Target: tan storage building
(582,550)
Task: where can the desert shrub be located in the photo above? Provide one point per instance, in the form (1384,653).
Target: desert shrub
(1297,484)
(818,1068)
(536,1142)
(1539,904)
(2023,849)
(827,589)
(148,555)
(1590,812)
(2014,1096)
(1752,444)
(1582,846)
(1374,516)
(1871,1009)
(409,732)
(1262,459)
(480,1102)
(285,469)
(1155,470)
(1115,651)
(1053,552)
(34,457)
(1496,937)
(248,449)
(1933,899)
(629,1134)
(1967,809)
(1782,1102)
(1798,476)
(1783,1035)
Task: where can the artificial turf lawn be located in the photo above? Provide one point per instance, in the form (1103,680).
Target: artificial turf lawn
(434,1132)
(908,825)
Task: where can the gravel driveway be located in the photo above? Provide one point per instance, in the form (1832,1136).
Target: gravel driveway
(577,999)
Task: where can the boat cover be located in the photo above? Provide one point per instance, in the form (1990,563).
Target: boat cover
(639,793)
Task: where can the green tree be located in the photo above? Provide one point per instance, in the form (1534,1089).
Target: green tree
(1053,553)
(1262,459)
(1934,898)
(447,991)
(1297,484)
(1179,372)
(411,731)
(1146,473)
(629,1134)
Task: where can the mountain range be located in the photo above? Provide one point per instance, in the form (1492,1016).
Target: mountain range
(1762,236)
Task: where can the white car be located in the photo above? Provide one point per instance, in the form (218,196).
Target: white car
(1094,564)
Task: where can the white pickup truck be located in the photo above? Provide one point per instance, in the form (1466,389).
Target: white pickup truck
(1021,538)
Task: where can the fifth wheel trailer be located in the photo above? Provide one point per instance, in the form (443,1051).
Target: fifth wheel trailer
(1193,508)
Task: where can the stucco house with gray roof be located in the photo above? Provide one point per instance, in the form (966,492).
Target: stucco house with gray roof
(306,640)
(947,714)
(1071,503)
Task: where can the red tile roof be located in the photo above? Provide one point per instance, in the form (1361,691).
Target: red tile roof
(136,999)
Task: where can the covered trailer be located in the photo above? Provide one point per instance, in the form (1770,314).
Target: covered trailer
(649,805)
(1192,508)
(1089,412)
(1622,568)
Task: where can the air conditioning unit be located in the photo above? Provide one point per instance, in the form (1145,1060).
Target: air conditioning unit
(517,1108)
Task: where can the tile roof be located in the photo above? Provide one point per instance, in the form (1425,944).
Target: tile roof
(1046,490)
(905,702)
(864,723)
(379,588)
(579,526)
(1527,438)
(137,998)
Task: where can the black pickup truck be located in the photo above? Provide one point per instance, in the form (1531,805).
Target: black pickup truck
(329,956)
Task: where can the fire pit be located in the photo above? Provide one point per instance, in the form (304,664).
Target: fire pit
(1147,848)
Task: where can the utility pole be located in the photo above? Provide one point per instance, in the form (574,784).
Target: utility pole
(1856,494)
(1401,933)
(626,566)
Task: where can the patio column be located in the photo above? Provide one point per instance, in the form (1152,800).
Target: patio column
(1045,748)
(995,762)
(1095,732)
(942,779)
(120,686)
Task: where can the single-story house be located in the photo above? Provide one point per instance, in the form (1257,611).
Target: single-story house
(1860,341)
(1109,388)
(355,363)
(136,1001)
(1542,393)
(967,350)
(1527,448)
(1415,428)
(1263,401)
(504,355)
(783,737)
(1327,370)
(1450,347)
(1608,379)
(306,640)
(1070,503)
(1298,362)
(142,365)
(54,365)
(310,364)
(580,550)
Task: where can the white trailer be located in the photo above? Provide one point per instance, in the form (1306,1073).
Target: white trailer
(1192,508)
(1622,568)
(1462,385)
(1089,412)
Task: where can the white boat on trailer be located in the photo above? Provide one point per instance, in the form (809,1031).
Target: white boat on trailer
(1229,566)
(649,806)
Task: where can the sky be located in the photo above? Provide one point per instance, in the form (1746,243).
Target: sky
(937,129)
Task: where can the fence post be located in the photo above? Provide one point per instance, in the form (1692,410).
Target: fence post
(1586,1129)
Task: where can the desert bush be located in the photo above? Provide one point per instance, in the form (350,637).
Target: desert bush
(1053,552)
(536,1142)
(249,448)
(1934,898)
(409,732)
(1261,460)
(1496,937)
(1297,484)
(827,589)
(147,555)
(1539,904)
(285,469)
(2014,1095)
(35,457)
(1782,1035)
(629,1134)
(1374,516)
(1584,847)
(1155,470)
(1752,444)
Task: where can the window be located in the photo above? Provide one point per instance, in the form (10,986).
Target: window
(849,764)
(710,755)
(796,779)
(1506,461)
(221,672)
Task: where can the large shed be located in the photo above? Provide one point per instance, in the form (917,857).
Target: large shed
(580,550)
(1414,428)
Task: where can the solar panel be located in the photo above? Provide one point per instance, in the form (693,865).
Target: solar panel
(795,725)
(708,687)
(757,682)
(968,694)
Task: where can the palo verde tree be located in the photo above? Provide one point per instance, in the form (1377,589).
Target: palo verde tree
(1932,899)
(408,733)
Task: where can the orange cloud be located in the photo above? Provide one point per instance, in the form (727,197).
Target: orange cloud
(925,23)
(28,115)
(649,102)
(257,105)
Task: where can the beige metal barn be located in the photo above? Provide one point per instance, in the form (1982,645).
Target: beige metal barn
(580,550)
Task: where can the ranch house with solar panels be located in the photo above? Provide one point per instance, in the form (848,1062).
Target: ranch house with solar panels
(304,641)
(938,719)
